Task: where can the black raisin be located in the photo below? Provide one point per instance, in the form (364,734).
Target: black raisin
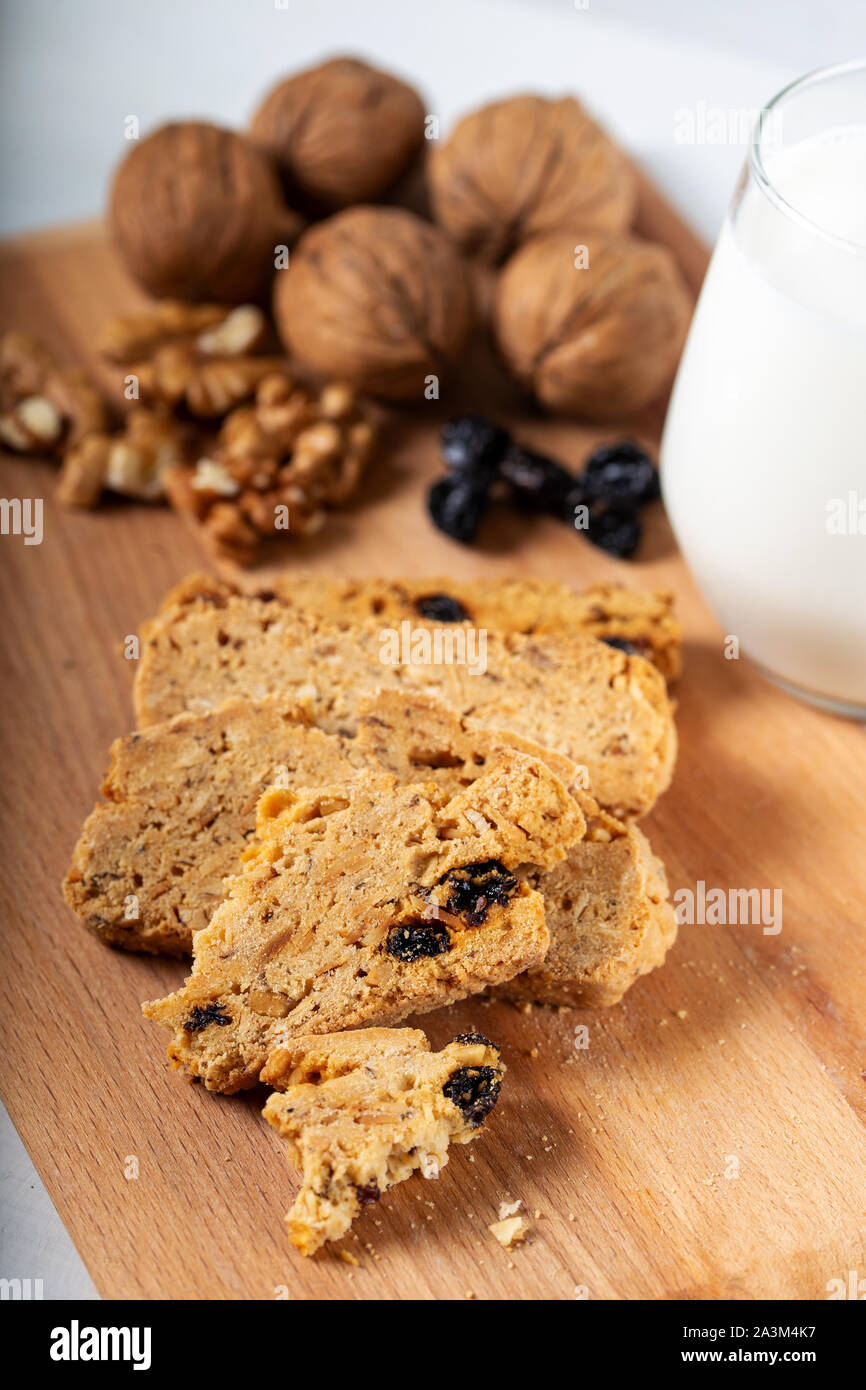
(621,472)
(475,1091)
(457,504)
(536,483)
(441,608)
(622,645)
(369,1195)
(410,941)
(474,888)
(472,443)
(469,1038)
(615,529)
(203,1017)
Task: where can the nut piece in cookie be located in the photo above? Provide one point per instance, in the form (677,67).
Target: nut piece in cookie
(327,926)
(364,1110)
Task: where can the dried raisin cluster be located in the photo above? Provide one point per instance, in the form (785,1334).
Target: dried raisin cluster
(484,463)
(202,1017)
(475,1091)
(408,941)
(475,888)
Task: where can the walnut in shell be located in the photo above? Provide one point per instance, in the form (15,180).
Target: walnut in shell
(524,167)
(340,133)
(197,213)
(600,341)
(376,298)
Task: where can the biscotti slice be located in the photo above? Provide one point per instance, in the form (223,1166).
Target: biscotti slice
(641,620)
(364,902)
(179,810)
(607,903)
(610,920)
(601,707)
(364,1110)
(149,866)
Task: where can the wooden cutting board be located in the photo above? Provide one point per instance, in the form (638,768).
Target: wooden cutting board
(707,1143)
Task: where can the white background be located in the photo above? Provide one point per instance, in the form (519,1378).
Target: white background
(72,70)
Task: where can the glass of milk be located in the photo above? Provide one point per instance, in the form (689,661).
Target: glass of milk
(763,460)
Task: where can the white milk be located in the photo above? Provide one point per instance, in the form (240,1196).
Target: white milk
(764,452)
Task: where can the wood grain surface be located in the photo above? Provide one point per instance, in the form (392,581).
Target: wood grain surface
(709,1140)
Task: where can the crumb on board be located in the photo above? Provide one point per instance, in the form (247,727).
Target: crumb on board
(510,1232)
(350,1258)
(507,1209)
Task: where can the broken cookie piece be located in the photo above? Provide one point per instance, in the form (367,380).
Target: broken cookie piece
(364,1110)
(348,912)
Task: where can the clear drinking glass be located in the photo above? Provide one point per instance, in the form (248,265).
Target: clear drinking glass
(763,460)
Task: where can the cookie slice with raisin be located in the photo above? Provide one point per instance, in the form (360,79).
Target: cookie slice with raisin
(637,621)
(574,694)
(364,1110)
(607,903)
(367,901)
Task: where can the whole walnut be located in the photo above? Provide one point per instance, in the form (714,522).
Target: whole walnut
(340,133)
(197,213)
(376,298)
(597,334)
(524,167)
